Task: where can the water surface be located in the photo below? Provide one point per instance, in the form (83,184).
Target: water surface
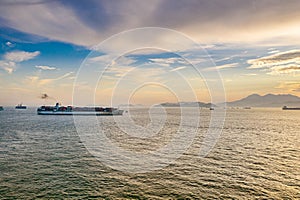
(257,155)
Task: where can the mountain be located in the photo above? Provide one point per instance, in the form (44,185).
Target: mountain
(268,100)
(188,104)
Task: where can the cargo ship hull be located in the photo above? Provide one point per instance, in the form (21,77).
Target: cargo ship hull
(70,110)
(120,112)
(290,108)
(287,108)
(20,106)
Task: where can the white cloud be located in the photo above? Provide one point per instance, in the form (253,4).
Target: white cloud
(9,70)
(8,66)
(177,68)
(11,59)
(226,66)
(168,62)
(286,69)
(146,51)
(117,71)
(36,80)
(64,76)
(231,65)
(226,58)
(250,74)
(45,67)
(163,64)
(273,51)
(287,62)
(20,56)
(110,61)
(281,58)
(102,58)
(172,60)
(124,61)
(9,44)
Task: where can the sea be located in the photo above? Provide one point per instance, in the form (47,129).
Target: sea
(256,156)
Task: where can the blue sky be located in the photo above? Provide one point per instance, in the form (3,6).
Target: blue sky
(254,45)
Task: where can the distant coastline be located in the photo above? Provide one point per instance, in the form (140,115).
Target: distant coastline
(188,104)
(253,100)
(268,100)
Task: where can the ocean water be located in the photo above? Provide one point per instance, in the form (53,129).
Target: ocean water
(256,156)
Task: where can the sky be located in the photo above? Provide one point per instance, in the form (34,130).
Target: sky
(147,52)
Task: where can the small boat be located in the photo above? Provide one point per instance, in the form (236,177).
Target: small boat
(287,108)
(247,107)
(20,106)
(211,108)
(71,110)
(1,108)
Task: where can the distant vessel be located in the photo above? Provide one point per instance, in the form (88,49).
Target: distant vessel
(211,108)
(20,106)
(70,110)
(247,107)
(287,108)
(1,108)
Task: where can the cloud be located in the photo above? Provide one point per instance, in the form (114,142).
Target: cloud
(177,68)
(124,61)
(90,22)
(290,86)
(112,72)
(279,63)
(101,58)
(36,80)
(51,20)
(168,62)
(44,67)
(275,59)
(225,66)
(8,66)
(9,44)
(225,59)
(250,74)
(20,56)
(11,59)
(64,76)
(110,61)
(273,51)
(287,69)
(172,60)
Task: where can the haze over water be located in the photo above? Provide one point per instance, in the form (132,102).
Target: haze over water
(256,156)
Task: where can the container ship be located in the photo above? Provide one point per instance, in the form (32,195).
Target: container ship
(20,106)
(71,110)
(287,108)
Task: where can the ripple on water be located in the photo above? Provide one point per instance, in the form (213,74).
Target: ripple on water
(258,155)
